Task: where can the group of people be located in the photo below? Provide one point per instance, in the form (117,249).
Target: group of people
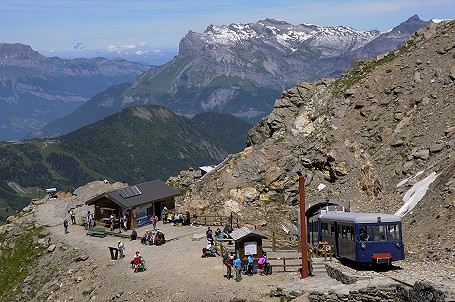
(122,222)
(176,219)
(155,237)
(236,263)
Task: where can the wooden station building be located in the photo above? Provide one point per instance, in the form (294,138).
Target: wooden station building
(139,203)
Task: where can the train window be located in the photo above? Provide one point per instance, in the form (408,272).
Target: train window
(379,233)
(366,233)
(343,231)
(351,233)
(394,231)
(332,229)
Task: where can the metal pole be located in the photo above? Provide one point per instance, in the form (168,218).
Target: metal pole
(303,228)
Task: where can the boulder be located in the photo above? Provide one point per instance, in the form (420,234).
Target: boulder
(246,194)
(51,248)
(44,241)
(437,147)
(349,92)
(11,219)
(452,73)
(423,154)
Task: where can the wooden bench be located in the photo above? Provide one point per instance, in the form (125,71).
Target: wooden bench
(82,221)
(97,231)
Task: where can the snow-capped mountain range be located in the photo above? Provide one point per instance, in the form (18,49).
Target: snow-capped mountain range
(241,69)
(335,39)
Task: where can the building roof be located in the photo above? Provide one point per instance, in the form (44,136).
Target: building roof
(133,196)
(245,232)
(207,169)
(360,217)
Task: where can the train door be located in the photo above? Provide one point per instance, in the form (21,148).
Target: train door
(337,232)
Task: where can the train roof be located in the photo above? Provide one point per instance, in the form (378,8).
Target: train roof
(360,217)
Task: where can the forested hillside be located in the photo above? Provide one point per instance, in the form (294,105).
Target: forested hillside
(139,144)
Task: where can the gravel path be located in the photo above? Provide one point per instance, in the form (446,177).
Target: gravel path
(175,270)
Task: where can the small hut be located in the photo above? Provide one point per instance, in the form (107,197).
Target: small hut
(248,242)
(139,202)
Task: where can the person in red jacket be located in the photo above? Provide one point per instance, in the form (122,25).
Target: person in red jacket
(229,265)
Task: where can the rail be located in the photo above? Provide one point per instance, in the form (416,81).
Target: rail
(276,241)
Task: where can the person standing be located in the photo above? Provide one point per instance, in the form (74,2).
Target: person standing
(154,220)
(164,215)
(238,269)
(112,218)
(250,269)
(261,263)
(121,249)
(229,264)
(125,222)
(120,227)
(65,225)
(73,217)
(209,234)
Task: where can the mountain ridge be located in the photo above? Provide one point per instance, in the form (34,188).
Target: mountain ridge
(36,89)
(242,68)
(140,143)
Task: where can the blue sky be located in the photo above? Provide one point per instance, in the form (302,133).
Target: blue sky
(152,29)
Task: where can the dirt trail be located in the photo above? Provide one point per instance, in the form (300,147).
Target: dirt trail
(175,270)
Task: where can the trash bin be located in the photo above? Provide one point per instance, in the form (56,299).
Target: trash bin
(114,253)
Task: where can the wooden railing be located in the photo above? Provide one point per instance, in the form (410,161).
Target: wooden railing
(214,220)
(277,241)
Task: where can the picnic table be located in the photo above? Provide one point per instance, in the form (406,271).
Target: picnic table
(97,231)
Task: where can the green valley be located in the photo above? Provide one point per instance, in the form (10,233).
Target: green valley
(140,143)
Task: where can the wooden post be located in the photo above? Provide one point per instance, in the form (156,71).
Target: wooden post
(284,263)
(205,220)
(302,227)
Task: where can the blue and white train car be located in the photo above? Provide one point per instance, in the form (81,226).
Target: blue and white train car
(363,237)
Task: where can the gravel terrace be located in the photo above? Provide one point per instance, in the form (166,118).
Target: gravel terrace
(175,270)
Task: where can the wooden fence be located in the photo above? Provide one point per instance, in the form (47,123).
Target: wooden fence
(277,241)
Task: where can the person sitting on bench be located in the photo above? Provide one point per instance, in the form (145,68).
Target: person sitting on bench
(146,238)
(133,235)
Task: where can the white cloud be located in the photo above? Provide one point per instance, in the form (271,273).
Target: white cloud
(112,48)
(129,46)
(158,51)
(143,44)
(139,52)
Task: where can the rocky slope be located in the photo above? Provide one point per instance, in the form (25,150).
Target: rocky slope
(363,140)
(35,89)
(242,68)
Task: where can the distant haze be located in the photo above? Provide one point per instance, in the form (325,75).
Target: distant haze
(149,31)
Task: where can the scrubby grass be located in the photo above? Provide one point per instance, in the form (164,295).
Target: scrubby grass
(16,261)
(354,75)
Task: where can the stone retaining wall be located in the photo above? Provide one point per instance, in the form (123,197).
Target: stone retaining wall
(367,295)
(335,272)
(420,292)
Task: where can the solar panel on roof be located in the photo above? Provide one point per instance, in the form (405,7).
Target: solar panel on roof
(129,192)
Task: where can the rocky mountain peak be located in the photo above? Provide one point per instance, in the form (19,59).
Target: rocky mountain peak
(11,52)
(410,25)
